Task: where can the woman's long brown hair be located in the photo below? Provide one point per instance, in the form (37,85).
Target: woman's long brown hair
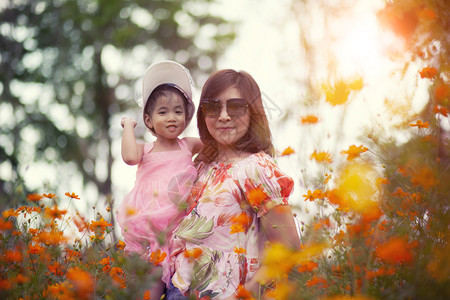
(258,137)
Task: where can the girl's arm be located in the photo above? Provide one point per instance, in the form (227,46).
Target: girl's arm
(194,144)
(131,150)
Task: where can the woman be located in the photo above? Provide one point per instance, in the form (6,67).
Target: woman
(240,198)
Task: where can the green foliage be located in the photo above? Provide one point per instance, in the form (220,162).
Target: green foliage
(68,67)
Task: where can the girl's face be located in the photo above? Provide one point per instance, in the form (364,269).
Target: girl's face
(227,129)
(168,118)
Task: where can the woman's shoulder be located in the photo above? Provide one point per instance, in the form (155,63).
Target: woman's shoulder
(259,158)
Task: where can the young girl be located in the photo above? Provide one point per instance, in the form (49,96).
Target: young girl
(240,197)
(165,171)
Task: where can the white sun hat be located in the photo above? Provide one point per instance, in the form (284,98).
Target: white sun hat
(173,73)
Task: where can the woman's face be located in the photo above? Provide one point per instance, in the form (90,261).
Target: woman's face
(225,129)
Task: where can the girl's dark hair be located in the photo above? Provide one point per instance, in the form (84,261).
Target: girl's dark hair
(163,90)
(258,136)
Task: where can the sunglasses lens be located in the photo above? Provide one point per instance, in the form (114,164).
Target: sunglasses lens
(236,107)
(211,108)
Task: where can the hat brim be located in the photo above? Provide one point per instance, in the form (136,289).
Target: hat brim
(169,72)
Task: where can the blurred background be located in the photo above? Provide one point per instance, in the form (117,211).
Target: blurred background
(334,73)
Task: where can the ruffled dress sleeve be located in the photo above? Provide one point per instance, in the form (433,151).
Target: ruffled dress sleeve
(263,184)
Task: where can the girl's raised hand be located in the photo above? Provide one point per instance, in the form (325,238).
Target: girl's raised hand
(128,121)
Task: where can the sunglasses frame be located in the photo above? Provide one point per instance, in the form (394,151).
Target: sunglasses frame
(231,113)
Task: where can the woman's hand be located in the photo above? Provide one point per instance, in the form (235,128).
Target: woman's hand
(128,121)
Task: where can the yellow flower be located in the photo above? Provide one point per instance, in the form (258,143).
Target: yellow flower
(240,250)
(354,151)
(321,156)
(309,119)
(357,189)
(338,93)
(287,151)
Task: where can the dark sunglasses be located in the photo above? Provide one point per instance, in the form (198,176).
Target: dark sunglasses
(236,107)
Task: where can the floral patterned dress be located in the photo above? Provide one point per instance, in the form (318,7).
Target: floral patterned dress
(217,245)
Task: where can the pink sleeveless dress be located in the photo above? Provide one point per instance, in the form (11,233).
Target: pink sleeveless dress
(154,207)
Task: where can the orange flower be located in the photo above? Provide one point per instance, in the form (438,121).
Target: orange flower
(396,251)
(321,223)
(73,195)
(316,280)
(441,110)
(80,222)
(50,196)
(13,256)
(5,284)
(381,181)
(71,254)
(35,249)
(55,268)
(420,124)
(243,220)
(240,250)
(317,194)
(309,119)
(321,156)
(20,279)
(243,294)
(426,13)
(51,237)
(354,151)
(81,280)
(59,290)
(99,226)
(120,245)
(255,194)
(156,257)
(287,151)
(424,177)
(193,253)
(428,72)
(34,197)
(118,276)
(54,212)
(106,262)
(399,193)
(307,266)
(10,213)
(441,92)
(146,295)
(5,225)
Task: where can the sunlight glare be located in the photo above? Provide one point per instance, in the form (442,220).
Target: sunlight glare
(360,47)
